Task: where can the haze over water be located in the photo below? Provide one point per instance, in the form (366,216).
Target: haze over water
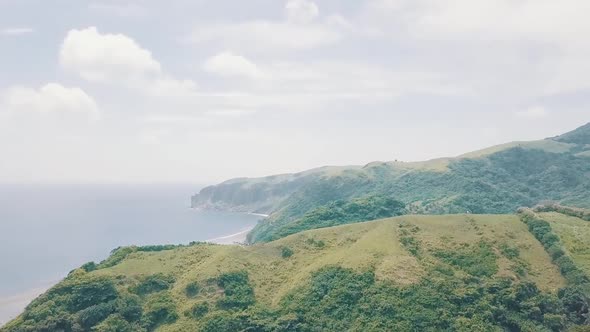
(48,230)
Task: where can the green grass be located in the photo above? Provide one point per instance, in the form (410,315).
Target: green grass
(574,234)
(358,246)
(401,251)
(545,145)
(498,180)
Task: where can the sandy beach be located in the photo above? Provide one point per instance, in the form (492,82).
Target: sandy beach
(236,238)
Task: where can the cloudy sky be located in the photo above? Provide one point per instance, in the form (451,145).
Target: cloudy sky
(200,91)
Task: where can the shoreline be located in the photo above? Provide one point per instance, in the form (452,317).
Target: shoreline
(236,238)
(259,214)
(12,305)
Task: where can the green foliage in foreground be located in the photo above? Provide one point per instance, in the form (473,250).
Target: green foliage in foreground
(335,213)
(463,283)
(575,297)
(338,299)
(334,299)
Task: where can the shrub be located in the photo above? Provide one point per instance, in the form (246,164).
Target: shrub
(224,321)
(549,239)
(286,252)
(159,309)
(117,255)
(315,243)
(114,323)
(153,283)
(192,289)
(411,244)
(576,302)
(86,293)
(555,251)
(199,310)
(509,252)
(478,261)
(95,314)
(129,307)
(237,290)
(89,267)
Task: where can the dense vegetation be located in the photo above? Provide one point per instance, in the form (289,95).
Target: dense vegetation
(465,274)
(335,213)
(576,296)
(497,181)
(583,214)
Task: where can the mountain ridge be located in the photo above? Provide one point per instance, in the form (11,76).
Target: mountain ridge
(272,194)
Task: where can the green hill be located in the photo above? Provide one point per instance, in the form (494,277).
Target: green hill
(494,180)
(318,264)
(409,273)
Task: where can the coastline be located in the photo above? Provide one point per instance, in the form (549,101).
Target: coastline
(259,214)
(236,238)
(12,305)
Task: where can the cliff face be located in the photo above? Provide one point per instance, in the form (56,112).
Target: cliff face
(259,195)
(241,197)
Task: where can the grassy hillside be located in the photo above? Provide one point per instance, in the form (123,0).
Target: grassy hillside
(428,273)
(495,180)
(335,213)
(573,228)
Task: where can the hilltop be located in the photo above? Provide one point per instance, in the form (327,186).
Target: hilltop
(494,180)
(431,273)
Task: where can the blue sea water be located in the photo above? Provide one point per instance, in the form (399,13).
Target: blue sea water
(48,230)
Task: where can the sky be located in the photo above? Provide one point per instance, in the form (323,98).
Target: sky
(191,91)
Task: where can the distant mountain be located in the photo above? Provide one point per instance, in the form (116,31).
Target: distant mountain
(495,180)
(580,136)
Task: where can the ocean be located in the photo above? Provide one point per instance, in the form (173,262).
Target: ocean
(48,230)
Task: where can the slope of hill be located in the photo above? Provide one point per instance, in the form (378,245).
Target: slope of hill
(494,180)
(580,136)
(524,168)
(530,164)
(428,273)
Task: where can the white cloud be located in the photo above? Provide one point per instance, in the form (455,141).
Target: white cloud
(118,59)
(302,28)
(266,36)
(229,64)
(511,49)
(106,57)
(316,83)
(497,20)
(52,98)
(301,11)
(534,112)
(15,31)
